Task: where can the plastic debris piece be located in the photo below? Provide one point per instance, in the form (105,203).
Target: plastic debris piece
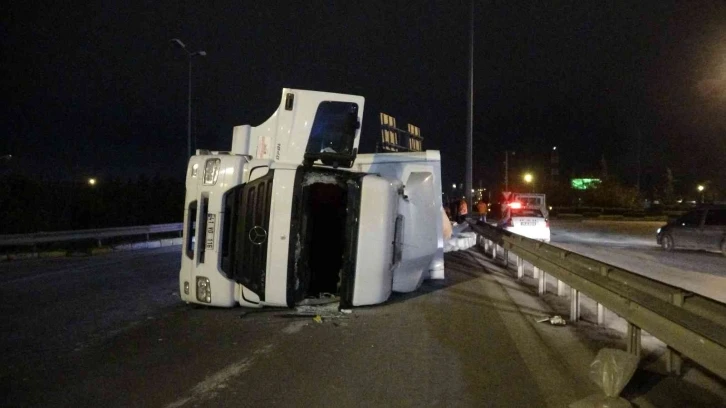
(346,311)
(558,321)
(554,320)
(318,319)
(611,370)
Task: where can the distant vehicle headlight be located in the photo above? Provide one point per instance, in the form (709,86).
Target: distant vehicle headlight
(204,290)
(211,171)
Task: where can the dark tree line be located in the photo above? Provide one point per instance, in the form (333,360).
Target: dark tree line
(32,205)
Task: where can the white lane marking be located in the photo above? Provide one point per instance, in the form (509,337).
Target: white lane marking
(207,389)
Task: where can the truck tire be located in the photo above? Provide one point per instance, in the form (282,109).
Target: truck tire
(667,243)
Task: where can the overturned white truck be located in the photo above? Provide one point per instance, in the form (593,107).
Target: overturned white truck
(293,212)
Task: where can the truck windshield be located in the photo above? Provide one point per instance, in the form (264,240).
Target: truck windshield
(333,129)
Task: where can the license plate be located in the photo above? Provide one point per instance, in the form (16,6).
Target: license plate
(528,223)
(211,221)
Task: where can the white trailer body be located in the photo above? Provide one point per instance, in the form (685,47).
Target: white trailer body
(277,219)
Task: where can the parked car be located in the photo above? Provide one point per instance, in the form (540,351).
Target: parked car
(528,222)
(701,228)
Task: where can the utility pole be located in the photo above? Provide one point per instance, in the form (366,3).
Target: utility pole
(637,183)
(506,170)
(470,118)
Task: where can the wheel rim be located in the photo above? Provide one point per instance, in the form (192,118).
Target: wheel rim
(667,243)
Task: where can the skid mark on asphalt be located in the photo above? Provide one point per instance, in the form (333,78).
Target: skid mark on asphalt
(207,389)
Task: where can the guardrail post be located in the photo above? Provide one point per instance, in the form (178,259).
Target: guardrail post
(561,288)
(535,272)
(674,361)
(542,284)
(600,314)
(520,266)
(506,256)
(574,305)
(634,346)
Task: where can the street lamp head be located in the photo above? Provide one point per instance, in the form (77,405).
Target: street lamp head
(202,53)
(527,178)
(178,42)
(701,188)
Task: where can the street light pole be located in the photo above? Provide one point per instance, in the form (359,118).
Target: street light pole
(189,94)
(189,110)
(470,113)
(506,169)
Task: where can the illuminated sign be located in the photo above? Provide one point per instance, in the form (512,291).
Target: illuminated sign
(585,183)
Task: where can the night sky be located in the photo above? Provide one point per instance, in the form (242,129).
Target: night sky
(96,88)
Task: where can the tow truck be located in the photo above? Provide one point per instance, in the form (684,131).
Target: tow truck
(293,211)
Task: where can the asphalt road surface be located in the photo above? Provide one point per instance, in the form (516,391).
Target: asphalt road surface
(110,331)
(631,245)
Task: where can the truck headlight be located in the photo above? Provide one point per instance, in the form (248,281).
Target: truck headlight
(658,231)
(204,290)
(211,171)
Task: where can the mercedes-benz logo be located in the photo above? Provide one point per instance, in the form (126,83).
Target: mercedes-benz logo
(257,235)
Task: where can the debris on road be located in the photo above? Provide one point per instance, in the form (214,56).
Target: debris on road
(553,320)
(318,319)
(323,311)
(322,299)
(611,370)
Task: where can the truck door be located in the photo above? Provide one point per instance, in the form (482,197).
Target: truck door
(249,247)
(372,208)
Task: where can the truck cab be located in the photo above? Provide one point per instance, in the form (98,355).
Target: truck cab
(287,214)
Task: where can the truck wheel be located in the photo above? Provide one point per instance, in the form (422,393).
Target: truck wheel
(667,243)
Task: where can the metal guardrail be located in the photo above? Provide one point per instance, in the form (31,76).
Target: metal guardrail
(89,234)
(690,325)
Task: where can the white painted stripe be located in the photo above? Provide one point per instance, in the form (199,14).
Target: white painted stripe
(207,389)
